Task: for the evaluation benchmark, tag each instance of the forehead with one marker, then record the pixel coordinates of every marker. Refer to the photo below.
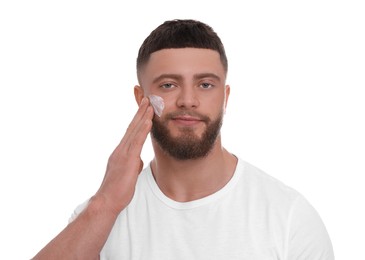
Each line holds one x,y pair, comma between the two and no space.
183,61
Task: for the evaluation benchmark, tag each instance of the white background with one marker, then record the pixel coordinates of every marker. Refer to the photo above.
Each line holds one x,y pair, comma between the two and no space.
67,71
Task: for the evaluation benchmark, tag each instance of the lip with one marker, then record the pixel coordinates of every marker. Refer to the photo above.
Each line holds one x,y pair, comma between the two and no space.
187,120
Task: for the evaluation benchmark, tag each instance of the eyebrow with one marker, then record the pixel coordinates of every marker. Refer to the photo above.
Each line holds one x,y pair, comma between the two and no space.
207,75
164,76
179,77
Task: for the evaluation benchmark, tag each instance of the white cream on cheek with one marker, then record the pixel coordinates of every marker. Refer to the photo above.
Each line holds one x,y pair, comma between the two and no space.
157,104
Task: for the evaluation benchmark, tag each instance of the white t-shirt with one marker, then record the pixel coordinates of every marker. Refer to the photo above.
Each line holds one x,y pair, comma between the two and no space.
254,216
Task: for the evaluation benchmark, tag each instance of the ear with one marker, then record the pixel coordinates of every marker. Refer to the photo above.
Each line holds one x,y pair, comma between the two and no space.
138,94
227,92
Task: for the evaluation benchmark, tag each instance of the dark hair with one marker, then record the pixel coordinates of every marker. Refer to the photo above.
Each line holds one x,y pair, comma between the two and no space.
180,34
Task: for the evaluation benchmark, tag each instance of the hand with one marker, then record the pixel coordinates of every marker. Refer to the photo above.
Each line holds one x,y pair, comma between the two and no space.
125,164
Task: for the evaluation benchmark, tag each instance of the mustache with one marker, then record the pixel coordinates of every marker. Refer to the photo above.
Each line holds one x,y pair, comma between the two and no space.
197,115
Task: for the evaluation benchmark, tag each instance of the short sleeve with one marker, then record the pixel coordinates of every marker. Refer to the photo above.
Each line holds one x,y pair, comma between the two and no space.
307,237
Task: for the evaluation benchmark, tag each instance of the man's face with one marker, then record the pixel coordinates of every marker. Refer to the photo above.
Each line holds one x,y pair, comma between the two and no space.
192,83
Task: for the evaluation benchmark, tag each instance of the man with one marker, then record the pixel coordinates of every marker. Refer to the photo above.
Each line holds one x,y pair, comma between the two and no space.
195,200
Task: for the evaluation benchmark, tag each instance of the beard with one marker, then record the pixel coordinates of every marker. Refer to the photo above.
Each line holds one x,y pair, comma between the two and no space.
187,145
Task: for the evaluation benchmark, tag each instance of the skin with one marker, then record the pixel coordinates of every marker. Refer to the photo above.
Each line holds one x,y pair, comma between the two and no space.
188,79
198,85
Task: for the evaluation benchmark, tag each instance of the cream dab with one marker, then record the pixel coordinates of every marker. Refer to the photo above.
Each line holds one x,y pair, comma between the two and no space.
157,104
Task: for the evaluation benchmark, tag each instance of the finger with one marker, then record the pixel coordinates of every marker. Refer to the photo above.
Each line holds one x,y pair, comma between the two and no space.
135,121
136,134
140,113
138,138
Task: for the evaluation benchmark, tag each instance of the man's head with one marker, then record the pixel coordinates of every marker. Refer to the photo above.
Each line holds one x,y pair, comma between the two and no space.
184,62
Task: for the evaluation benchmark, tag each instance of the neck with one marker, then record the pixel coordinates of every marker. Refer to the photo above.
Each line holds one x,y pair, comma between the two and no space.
187,180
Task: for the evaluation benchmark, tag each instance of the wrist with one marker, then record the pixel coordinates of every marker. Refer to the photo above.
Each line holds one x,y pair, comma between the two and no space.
99,203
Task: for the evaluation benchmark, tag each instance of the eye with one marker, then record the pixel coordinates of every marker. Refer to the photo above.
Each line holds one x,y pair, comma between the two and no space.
206,85
167,86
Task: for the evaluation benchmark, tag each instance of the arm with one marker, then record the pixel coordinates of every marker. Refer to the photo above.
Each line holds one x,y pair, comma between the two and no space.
84,237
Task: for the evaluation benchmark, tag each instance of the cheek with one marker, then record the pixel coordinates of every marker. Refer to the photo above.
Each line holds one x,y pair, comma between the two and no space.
169,102
214,103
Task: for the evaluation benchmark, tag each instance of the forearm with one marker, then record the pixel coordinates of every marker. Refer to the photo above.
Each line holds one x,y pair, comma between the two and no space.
84,237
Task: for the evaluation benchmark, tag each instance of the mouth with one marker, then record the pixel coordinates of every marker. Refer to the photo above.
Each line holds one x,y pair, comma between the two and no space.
187,120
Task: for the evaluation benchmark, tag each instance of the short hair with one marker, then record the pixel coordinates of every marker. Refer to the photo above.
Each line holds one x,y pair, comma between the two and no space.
177,33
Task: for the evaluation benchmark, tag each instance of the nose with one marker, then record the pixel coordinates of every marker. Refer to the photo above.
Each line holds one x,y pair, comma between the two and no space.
187,98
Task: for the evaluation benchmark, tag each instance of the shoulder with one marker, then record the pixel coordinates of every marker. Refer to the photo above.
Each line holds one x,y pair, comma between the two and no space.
264,186
267,195
304,232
